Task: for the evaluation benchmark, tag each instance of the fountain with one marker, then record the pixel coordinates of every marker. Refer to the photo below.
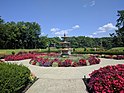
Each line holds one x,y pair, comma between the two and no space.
66,49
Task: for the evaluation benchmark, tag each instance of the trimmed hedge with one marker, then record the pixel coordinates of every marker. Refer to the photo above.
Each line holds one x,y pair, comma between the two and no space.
13,78
100,52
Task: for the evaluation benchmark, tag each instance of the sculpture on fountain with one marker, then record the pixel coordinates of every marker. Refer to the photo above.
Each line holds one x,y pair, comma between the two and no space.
66,49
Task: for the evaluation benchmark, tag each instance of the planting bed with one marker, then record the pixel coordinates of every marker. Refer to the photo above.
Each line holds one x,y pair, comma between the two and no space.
26,55
109,79
54,59
72,61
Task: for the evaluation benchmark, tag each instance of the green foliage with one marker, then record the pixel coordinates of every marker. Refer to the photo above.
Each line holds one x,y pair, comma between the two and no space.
37,64
100,52
55,64
85,56
13,77
117,49
19,35
118,36
120,20
43,42
9,51
13,53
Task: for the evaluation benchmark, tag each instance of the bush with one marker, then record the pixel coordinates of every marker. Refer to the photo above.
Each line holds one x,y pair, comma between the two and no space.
55,64
99,52
93,60
85,56
13,78
82,62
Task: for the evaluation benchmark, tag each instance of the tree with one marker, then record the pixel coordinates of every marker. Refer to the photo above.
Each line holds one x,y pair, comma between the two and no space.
1,20
19,35
120,20
118,36
2,33
43,42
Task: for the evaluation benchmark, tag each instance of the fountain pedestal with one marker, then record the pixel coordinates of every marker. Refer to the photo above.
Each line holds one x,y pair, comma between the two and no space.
65,50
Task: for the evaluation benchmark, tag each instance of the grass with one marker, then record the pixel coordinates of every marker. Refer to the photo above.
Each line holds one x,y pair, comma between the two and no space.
9,51
51,50
117,49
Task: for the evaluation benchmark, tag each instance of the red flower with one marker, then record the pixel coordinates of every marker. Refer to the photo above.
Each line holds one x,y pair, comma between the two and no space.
109,79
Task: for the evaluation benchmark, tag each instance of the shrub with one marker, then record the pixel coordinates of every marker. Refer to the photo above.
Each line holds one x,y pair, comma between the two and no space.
109,79
99,52
67,63
74,64
119,57
82,62
93,60
13,78
13,53
55,64
85,56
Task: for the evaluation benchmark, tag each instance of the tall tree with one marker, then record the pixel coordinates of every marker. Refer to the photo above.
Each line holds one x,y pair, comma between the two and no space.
118,36
19,35
120,20
1,20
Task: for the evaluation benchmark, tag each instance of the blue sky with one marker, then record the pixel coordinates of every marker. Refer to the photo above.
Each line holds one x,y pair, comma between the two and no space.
93,18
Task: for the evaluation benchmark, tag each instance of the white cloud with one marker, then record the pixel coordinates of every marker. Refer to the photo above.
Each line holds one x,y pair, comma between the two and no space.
94,33
88,3
105,28
76,27
54,29
60,32
42,33
91,36
92,3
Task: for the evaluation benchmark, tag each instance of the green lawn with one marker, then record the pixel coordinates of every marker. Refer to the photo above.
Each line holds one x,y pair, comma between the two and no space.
9,51
121,49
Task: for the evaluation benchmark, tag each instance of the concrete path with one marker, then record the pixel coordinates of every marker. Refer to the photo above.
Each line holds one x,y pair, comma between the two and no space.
58,86
63,79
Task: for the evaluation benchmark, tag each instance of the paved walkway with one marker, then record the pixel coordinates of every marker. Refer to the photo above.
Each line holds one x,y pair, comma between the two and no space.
63,79
58,86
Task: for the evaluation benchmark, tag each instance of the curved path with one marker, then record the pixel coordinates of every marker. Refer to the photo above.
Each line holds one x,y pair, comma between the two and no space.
63,79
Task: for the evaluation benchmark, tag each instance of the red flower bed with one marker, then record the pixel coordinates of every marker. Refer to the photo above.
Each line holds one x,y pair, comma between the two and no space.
47,62
26,55
82,62
108,56
21,56
119,57
65,63
93,60
109,79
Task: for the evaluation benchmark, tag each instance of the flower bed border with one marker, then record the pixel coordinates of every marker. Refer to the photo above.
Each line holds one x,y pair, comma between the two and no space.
86,81
24,89
110,82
